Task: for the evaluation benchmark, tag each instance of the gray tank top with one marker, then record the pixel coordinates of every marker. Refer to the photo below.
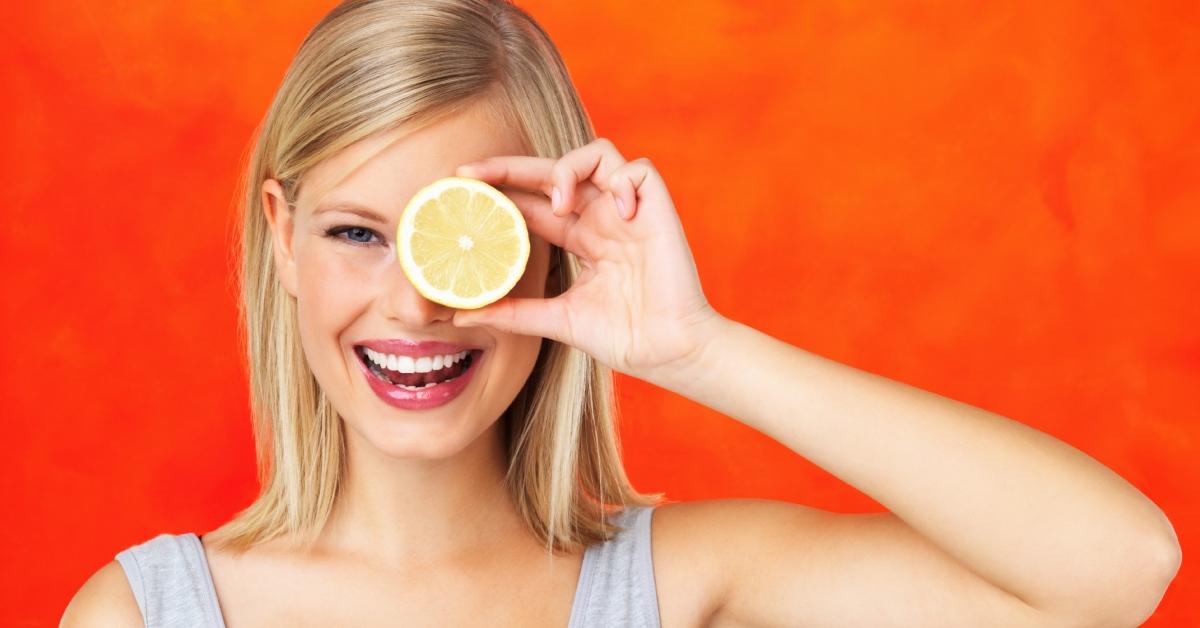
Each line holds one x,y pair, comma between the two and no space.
173,587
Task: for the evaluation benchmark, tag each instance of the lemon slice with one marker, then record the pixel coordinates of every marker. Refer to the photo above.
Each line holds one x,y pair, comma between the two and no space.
462,242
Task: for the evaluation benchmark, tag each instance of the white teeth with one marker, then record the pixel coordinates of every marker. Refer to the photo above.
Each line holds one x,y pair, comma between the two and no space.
407,364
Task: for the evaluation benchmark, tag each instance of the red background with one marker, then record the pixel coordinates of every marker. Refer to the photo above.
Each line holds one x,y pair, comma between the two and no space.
996,202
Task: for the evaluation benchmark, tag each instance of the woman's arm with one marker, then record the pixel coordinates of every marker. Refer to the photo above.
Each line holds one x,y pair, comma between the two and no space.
1029,513
104,601
1034,517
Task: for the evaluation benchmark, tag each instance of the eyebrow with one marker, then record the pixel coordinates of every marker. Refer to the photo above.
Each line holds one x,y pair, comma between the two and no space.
350,207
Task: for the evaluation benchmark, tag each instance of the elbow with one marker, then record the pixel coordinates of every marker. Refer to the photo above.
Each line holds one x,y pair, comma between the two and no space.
1166,556
1149,572
1125,594
1144,588
1153,585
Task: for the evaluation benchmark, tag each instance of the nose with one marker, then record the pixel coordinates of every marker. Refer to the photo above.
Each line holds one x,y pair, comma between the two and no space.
403,303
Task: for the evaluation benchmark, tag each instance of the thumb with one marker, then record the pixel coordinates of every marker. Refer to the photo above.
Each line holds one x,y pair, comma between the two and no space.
530,317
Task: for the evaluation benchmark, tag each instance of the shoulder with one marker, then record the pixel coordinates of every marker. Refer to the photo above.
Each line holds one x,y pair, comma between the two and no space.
105,599
715,550
698,548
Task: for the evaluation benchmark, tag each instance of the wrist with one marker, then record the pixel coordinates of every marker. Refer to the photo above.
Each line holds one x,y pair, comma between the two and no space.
689,371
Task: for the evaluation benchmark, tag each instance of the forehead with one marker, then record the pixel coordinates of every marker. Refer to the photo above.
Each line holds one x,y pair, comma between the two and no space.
383,171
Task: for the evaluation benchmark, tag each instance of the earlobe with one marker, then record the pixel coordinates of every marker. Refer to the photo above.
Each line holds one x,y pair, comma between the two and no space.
280,220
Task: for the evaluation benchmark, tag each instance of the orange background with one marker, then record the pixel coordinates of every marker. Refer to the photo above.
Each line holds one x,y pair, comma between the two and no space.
996,202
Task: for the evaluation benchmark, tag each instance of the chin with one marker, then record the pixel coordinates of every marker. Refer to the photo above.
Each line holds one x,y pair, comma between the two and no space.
419,436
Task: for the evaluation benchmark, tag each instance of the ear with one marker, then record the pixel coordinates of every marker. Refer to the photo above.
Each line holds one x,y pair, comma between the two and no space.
281,218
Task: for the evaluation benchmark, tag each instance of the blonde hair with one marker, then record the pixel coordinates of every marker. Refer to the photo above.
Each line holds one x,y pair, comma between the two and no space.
369,66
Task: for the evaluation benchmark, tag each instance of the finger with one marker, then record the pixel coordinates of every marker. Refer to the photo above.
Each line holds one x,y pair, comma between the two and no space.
634,182
557,179
542,221
521,171
594,162
527,316
584,195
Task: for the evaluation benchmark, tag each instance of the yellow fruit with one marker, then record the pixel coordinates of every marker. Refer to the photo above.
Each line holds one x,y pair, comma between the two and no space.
462,242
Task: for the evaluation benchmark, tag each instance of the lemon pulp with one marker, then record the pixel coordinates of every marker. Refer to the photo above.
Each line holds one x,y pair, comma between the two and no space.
462,242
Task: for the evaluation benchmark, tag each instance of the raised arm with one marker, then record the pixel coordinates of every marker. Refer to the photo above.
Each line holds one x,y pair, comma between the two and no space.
1027,512
991,522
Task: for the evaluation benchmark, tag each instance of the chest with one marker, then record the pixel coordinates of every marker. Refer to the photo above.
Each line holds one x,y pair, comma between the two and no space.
487,592
497,588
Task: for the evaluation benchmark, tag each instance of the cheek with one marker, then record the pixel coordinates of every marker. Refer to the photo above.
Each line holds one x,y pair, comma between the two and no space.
516,356
516,353
325,267
325,277
332,287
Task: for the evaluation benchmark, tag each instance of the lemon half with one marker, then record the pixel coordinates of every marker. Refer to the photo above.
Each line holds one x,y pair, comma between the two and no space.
462,242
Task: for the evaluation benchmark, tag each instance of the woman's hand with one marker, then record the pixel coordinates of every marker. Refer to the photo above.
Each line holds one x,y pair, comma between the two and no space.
638,306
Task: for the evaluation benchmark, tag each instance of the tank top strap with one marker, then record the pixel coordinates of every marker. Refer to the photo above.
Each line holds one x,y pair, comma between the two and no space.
171,582
616,582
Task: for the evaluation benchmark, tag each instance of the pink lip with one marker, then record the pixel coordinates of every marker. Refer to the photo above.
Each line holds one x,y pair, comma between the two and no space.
400,346
424,398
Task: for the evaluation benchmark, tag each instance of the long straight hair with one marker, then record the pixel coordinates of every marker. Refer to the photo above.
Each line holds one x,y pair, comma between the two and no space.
367,67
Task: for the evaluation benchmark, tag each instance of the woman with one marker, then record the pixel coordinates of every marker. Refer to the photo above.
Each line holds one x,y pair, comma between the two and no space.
506,504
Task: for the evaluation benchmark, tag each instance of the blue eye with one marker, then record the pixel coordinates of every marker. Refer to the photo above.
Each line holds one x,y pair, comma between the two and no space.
356,235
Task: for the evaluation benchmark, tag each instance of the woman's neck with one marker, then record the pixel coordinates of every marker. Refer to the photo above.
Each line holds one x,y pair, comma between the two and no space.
398,512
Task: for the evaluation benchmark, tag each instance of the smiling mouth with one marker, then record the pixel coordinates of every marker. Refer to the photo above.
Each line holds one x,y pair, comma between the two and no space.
406,373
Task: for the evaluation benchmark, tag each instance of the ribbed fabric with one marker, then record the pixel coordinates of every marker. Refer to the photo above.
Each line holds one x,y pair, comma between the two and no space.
616,582
171,582
174,589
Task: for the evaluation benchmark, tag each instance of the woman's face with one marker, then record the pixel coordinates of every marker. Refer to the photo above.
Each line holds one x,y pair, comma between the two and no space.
342,268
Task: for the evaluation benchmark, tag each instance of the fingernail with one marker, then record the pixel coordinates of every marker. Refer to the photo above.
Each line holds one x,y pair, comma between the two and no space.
467,170
620,207
555,198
